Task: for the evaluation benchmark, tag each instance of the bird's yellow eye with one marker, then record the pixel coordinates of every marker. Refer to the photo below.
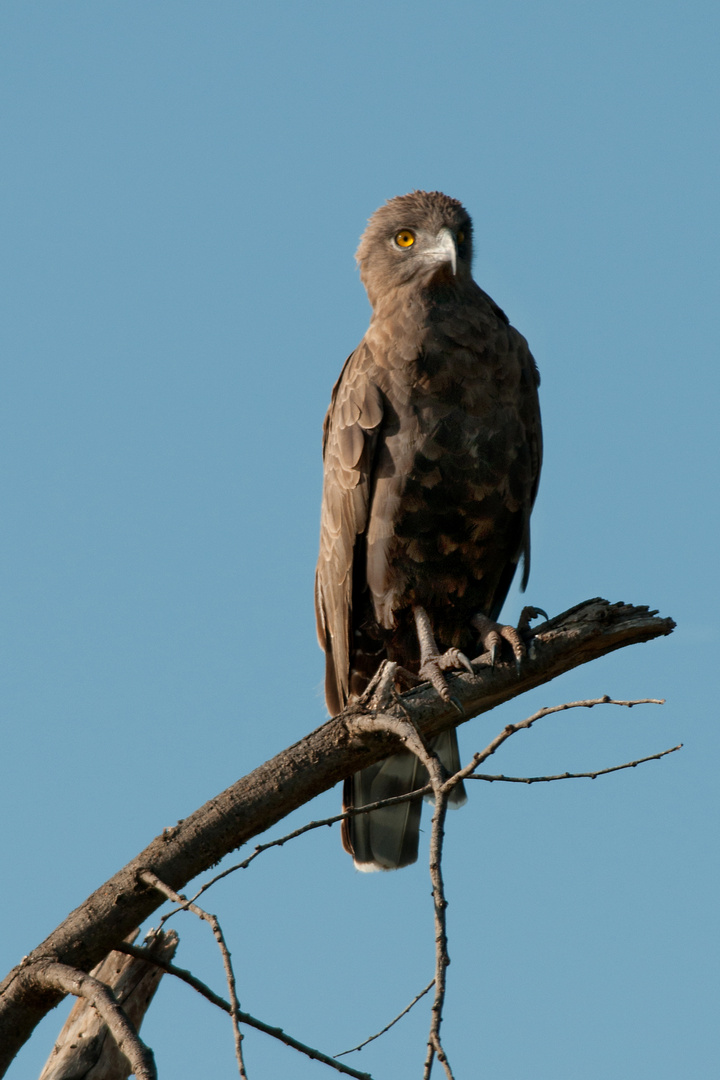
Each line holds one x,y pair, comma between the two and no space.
405,238
461,237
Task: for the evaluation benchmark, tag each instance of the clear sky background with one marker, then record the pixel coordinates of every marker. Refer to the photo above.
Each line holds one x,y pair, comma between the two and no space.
183,188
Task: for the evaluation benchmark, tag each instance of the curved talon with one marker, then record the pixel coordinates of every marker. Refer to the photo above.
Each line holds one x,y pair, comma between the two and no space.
527,615
457,704
467,664
453,659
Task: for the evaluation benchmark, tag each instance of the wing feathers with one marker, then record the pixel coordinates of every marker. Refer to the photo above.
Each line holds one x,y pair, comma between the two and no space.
350,437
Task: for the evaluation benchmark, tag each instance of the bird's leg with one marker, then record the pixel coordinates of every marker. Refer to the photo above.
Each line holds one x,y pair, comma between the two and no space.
432,662
492,634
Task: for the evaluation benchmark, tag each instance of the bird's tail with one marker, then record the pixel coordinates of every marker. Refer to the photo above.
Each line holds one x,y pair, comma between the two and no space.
388,839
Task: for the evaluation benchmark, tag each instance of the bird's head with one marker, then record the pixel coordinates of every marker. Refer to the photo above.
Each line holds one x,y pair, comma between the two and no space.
424,238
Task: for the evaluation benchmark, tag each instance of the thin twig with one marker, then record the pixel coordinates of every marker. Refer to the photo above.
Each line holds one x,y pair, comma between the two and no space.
523,725
244,1017
71,981
571,776
152,879
323,822
442,958
392,1023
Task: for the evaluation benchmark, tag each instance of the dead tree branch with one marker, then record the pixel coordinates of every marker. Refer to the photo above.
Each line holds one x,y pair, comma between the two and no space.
256,802
70,981
85,1049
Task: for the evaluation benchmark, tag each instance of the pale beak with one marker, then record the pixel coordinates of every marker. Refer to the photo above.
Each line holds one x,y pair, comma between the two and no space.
444,249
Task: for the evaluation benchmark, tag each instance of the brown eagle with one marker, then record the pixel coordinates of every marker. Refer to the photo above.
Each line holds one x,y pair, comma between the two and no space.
432,448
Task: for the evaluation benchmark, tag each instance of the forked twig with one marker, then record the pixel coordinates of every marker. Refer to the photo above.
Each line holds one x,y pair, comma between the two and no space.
442,787
524,725
152,879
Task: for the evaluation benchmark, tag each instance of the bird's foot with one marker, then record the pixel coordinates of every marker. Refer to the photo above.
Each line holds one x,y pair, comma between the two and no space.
433,663
492,634
433,668
382,689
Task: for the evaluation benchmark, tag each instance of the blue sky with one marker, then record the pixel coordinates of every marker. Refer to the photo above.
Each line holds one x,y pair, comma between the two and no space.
183,190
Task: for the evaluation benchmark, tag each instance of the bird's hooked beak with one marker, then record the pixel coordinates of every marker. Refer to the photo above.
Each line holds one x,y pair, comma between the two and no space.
444,250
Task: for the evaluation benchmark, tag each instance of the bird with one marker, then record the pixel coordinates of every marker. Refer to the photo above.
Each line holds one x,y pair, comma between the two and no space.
432,448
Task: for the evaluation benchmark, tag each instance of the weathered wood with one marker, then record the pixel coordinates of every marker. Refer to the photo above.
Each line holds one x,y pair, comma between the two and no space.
287,781
85,1049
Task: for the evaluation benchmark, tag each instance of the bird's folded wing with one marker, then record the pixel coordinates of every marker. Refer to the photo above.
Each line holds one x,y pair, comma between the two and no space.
350,436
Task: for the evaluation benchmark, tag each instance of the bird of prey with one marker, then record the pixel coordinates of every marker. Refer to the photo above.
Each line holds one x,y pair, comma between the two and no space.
432,448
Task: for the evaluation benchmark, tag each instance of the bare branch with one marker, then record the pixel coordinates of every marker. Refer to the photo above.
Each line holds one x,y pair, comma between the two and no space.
392,1023
442,958
525,725
289,780
152,879
70,981
572,776
244,1017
